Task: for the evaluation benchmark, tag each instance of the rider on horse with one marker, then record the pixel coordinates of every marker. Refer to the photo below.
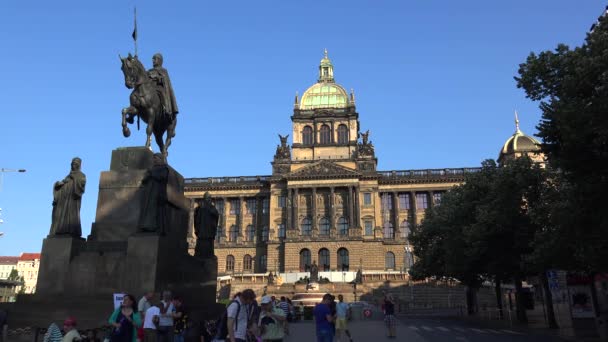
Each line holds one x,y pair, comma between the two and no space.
160,76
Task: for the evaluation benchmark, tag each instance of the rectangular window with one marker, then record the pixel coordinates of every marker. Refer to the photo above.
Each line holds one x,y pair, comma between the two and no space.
422,201
387,201
437,197
281,230
404,201
219,205
251,204
235,206
282,201
367,198
369,227
265,205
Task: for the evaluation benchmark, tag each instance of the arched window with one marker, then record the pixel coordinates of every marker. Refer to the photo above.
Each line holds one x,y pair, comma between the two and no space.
342,134
234,233
306,227
307,135
219,235
247,263
324,226
265,233
230,263
304,260
389,231
325,137
263,259
250,233
324,259
343,226
389,261
405,229
343,262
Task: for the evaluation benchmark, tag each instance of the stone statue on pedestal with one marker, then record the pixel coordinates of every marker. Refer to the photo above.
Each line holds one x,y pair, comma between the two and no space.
67,196
206,218
359,277
153,216
314,272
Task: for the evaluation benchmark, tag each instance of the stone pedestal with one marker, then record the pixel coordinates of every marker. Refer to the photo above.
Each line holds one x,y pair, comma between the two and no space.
78,277
62,249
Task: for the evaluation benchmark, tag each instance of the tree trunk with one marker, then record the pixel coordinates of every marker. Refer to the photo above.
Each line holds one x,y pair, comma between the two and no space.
548,301
471,300
498,297
519,301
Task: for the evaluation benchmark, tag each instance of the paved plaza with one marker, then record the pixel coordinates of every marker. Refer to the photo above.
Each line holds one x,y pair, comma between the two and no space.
422,330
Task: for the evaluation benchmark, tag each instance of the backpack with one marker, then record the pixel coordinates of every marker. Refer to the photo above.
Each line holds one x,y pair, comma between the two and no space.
222,323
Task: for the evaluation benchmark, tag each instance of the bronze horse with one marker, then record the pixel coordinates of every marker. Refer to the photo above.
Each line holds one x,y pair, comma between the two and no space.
145,102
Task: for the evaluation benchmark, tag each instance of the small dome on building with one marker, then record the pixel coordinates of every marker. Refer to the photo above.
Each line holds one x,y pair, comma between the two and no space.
326,93
519,143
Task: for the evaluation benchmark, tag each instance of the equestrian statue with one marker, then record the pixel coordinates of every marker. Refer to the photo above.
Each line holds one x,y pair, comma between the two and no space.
152,100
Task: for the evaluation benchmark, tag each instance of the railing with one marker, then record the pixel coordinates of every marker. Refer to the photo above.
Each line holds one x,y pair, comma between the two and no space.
228,180
429,172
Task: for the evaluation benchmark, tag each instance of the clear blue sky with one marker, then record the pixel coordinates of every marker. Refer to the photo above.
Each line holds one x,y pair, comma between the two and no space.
433,80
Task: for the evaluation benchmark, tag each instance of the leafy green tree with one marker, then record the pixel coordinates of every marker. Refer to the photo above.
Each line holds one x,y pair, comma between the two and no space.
572,88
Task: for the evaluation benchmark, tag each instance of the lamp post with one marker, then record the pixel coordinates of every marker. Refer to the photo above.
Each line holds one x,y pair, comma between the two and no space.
2,171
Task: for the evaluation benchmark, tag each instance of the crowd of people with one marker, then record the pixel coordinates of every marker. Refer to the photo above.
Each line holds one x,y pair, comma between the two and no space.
244,320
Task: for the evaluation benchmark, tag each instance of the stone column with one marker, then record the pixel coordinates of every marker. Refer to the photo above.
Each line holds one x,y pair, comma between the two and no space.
224,219
258,220
239,224
289,224
396,214
296,204
413,208
314,208
191,219
332,210
351,219
432,198
357,208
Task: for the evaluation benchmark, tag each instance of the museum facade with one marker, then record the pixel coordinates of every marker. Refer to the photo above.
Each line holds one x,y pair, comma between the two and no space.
325,202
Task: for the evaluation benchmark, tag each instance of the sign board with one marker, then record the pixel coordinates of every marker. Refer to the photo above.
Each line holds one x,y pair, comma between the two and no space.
118,300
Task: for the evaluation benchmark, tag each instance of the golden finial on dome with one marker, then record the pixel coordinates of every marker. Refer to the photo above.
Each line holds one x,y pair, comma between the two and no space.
516,122
325,53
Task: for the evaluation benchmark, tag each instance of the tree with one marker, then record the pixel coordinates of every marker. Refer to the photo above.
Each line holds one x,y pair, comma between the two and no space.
14,275
572,88
483,229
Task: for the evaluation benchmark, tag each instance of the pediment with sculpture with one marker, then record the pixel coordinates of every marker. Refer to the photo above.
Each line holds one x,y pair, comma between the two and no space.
324,169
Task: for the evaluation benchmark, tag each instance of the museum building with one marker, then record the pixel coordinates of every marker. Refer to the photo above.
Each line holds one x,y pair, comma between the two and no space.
325,201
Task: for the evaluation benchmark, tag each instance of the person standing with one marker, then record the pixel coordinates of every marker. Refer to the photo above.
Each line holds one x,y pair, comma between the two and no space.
165,323
69,327
125,321
270,322
142,306
389,316
3,326
284,305
342,315
180,320
151,322
238,313
323,319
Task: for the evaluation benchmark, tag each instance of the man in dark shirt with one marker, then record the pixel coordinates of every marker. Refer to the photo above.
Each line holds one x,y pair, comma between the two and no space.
323,319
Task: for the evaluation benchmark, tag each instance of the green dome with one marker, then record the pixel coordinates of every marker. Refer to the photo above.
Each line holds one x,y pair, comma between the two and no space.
324,95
